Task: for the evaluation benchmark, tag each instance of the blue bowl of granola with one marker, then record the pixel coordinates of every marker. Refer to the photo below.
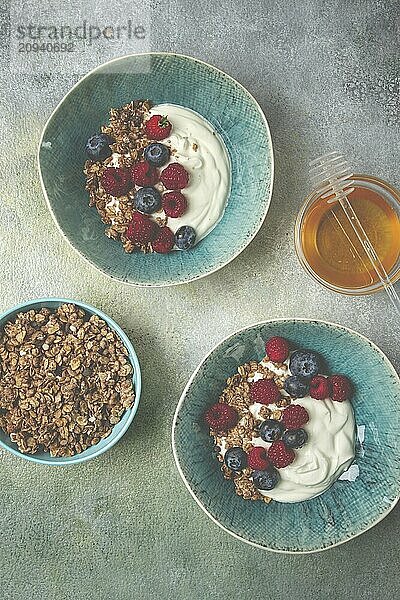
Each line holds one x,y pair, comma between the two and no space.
325,505
70,381
219,138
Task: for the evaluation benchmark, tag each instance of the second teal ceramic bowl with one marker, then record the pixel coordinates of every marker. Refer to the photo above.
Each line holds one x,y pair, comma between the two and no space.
163,78
120,428
345,510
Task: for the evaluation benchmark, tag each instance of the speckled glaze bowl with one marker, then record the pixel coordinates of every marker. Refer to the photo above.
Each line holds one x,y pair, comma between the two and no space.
345,510
163,78
119,429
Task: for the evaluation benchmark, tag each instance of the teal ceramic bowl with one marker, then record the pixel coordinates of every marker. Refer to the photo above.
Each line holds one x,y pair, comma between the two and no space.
345,510
127,418
163,78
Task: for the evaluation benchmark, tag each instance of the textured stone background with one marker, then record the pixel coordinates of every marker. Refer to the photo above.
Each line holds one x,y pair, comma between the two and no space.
123,526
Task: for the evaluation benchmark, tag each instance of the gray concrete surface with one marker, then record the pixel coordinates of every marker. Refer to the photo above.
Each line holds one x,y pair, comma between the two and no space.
326,75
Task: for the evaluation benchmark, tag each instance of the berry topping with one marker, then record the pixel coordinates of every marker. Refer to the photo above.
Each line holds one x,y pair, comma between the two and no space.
147,200
116,181
235,459
98,146
144,174
277,349
266,480
258,459
174,177
221,417
174,204
142,230
295,416
158,127
265,391
320,388
295,438
305,363
185,237
342,388
280,455
296,386
271,430
157,154
165,241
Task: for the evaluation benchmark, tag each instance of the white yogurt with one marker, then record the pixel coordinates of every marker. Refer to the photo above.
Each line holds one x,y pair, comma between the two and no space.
203,154
327,454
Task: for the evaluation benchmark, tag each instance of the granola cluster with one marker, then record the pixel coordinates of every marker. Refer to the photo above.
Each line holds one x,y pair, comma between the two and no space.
237,395
126,128
65,380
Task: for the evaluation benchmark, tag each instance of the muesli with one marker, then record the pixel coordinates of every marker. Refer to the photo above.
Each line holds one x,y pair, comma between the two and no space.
65,380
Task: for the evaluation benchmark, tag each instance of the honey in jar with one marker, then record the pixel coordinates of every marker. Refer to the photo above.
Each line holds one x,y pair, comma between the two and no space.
330,249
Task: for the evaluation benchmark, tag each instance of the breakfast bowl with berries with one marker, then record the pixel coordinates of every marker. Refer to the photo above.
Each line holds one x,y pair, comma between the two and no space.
145,176
286,435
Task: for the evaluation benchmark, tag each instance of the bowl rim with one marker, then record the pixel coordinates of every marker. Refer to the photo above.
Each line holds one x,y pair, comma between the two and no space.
183,396
77,458
248,240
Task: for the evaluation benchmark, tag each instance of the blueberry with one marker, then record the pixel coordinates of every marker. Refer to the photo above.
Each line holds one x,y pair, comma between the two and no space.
305,363
295,438
98,146
185,237
296,386
266,480
271,430
235,459
156,154
147,200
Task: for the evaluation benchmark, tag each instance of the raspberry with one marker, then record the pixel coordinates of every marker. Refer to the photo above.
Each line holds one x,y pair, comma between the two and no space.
280,455
265,391
141,229
144,174
174,177
221,417
116,181
295,416
277,349
174,204
165,241
158,127
258,459
320,388
342,388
